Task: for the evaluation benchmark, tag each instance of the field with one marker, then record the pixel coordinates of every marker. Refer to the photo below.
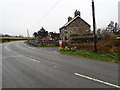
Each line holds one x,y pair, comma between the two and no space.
8,39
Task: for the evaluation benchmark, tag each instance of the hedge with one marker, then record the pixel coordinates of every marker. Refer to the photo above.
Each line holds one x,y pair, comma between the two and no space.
84,39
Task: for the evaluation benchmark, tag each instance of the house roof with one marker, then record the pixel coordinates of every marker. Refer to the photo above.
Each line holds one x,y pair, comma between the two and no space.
73,20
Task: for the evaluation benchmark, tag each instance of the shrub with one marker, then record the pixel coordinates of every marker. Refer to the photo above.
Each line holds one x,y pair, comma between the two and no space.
83,39
108,45
104,45
84,46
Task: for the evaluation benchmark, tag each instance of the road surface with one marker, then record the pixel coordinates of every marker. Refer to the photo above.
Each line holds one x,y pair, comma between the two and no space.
30,67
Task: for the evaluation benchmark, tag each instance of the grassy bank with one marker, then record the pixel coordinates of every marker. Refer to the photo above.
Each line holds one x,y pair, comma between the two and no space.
97,56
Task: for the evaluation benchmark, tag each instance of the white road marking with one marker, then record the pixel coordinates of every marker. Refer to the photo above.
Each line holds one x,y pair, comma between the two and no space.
8,49
56,52
32,59
55,66
31,47
100,81
12,56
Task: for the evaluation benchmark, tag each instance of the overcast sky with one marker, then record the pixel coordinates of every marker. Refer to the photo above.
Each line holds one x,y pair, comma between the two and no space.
18,15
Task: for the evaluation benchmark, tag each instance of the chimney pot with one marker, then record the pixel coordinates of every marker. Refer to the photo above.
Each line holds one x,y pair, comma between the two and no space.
69,18
76,13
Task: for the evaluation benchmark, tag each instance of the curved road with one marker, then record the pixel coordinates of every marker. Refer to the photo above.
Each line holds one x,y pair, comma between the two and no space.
30,67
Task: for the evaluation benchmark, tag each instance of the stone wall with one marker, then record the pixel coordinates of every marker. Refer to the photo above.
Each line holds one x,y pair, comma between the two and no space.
76,27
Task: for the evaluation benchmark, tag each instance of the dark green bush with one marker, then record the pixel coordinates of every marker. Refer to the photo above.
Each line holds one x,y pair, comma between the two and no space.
84,39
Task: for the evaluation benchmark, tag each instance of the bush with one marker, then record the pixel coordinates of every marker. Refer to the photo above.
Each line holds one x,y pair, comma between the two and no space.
84,39
104,45
108,45
84,46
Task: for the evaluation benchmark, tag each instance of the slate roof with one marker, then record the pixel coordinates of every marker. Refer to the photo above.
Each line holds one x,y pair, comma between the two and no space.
74,20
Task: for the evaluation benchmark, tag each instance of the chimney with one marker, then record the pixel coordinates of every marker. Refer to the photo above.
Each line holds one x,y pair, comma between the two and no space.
76,13
69,18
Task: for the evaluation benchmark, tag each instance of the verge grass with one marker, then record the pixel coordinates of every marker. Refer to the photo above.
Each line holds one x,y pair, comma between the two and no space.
92,55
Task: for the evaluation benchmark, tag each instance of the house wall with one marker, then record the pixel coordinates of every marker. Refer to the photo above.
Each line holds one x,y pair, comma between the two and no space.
62,34
76,27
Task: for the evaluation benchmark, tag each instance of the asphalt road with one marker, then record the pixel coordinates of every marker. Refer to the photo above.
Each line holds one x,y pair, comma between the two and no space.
30,67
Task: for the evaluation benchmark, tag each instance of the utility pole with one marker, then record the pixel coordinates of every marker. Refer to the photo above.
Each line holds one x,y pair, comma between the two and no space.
94,27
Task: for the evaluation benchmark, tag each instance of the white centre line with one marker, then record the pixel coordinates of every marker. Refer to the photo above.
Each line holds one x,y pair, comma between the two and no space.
100,81
32,59
12,56
56,52
55,66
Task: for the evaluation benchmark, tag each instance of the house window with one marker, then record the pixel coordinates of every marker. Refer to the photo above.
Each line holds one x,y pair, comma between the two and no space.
66,38
66,32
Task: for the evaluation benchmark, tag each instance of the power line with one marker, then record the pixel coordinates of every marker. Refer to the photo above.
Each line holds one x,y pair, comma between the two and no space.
46,14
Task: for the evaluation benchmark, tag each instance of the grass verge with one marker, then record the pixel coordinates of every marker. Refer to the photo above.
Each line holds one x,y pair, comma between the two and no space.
92,55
